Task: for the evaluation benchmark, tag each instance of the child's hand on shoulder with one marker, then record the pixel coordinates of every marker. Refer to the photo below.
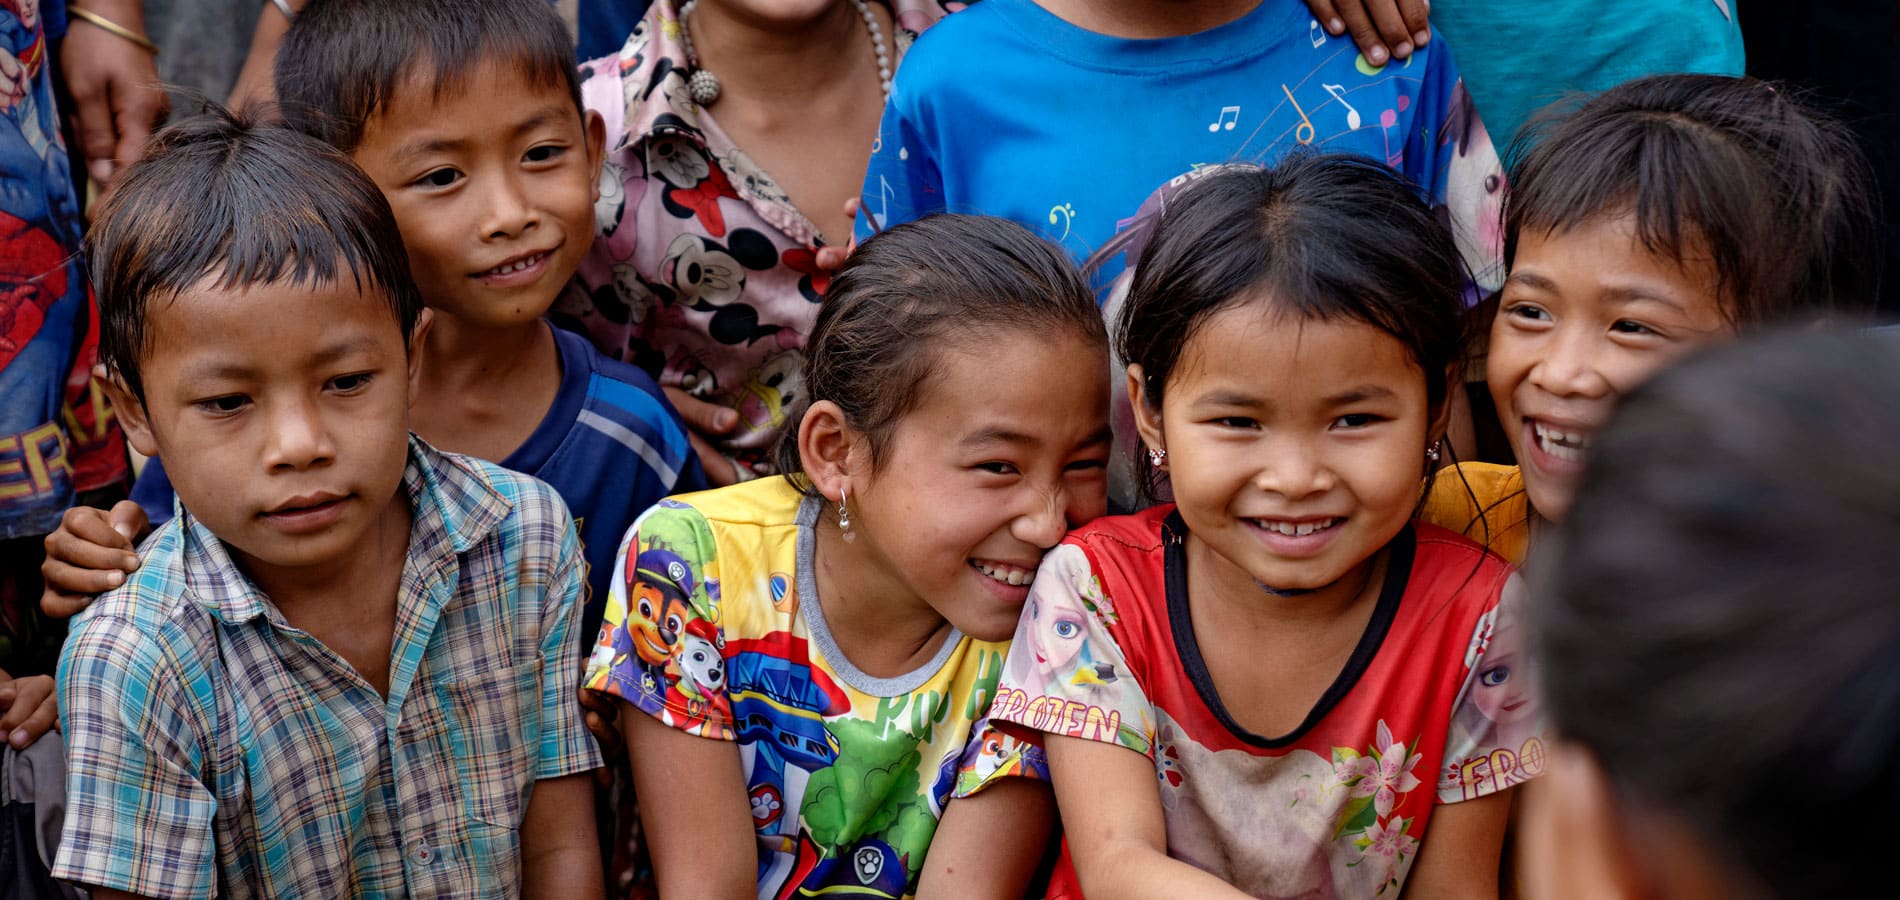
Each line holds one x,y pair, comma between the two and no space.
1383,29
29,707
91,553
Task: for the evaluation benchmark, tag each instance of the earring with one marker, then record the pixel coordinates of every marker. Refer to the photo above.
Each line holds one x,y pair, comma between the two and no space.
1431,454
844,514
1157,457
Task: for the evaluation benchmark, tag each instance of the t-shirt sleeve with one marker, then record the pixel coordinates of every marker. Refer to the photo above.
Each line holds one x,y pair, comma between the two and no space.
1497,736
138,816
566,745
1066,675
902,183
661,646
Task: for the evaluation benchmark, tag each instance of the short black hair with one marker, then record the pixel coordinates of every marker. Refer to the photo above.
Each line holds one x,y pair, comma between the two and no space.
222,200
1716,619
912,288
1778,194
343,60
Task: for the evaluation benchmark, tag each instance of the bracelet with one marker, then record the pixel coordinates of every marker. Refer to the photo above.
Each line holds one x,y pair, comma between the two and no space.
114,28
283,6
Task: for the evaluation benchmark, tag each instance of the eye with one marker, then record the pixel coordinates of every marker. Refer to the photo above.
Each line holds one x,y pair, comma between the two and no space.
1490,184
997,467
1066,629
545,153
1527,312
1494,676
350,383
439,178
1355,420
1084,465
646,610
1237,422
673,623
1625,326
223,406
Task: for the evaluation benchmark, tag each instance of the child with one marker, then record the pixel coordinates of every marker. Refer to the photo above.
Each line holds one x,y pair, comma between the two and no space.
467,114
1082,108
346,666
1724,579
1664,214
809,660
1281,650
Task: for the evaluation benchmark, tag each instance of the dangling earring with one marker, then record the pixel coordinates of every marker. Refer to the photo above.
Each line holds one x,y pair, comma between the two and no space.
1431,455
1157,457
844,514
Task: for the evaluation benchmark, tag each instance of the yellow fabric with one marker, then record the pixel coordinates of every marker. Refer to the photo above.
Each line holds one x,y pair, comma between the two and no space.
1484,502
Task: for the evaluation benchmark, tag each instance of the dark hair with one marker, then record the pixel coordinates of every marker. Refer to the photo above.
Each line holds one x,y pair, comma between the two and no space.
1321,236
911,289
343,60
1717,621
222,200
1777,194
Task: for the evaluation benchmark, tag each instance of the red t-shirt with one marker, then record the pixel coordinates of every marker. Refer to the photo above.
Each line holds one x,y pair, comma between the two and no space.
1106,652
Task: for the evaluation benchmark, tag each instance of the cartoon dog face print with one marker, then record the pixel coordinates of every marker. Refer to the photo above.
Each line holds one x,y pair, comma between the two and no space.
707,274
655,621
700,660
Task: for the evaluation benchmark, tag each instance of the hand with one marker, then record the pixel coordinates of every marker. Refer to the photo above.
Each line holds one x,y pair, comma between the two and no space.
706,422
255,87
29,707
1383,29
603,711
830,258
90,554
116,95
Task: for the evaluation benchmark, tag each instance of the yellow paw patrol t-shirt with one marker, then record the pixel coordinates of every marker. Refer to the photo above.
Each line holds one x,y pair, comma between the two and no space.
712,628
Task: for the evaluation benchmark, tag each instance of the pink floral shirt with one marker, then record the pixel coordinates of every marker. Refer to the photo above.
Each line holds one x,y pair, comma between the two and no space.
703,272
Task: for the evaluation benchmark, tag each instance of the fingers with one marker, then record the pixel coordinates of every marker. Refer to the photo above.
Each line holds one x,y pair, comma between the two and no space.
1390,23
137,109
1362,20
30,711
702,417
129,519
851,207
602,713
89,537
1415,13
830,258
70,589
718,466
93,107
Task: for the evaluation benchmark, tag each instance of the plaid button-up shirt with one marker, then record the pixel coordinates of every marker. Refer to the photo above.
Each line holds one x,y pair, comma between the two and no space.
213,748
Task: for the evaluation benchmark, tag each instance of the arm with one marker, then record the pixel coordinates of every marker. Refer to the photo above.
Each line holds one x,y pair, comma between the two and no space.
693,805
1111,810
988,844
254,80
1460,856
115,88
560,856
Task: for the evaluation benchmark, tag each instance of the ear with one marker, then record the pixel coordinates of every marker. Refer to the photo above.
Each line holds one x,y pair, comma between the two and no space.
1147,416
1440,424
831,452
596,129
418,338
133,419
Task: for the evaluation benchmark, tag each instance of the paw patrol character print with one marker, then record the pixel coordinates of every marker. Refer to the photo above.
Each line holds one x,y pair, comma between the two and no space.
696,694
658,589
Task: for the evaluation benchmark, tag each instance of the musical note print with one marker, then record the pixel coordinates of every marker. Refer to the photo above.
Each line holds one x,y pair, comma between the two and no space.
1315,34
1387,120
1229,117
1303,133
1067,212
1339,93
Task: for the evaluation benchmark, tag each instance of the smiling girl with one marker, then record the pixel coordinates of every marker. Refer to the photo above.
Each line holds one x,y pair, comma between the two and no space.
1260,693
862,607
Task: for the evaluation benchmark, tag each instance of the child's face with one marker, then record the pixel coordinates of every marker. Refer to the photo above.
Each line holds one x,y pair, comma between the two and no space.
1586,315
493,186
281,413
1295,447
1006,450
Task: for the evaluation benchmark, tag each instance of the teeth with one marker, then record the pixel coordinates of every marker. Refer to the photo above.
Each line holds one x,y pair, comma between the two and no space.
1568,446
1009,575
1291,529
516,266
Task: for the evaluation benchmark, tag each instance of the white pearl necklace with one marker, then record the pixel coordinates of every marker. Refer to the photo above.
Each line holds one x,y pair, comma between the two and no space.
703,85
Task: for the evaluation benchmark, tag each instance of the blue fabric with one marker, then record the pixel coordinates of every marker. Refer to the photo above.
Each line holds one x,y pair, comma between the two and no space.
1522,54
605,24
611,446
1067,131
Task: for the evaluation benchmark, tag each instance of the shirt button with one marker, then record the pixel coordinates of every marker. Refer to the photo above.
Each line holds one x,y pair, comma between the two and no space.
421,854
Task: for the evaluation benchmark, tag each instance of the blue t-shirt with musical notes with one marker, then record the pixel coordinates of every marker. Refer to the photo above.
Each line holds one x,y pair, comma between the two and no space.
1005,109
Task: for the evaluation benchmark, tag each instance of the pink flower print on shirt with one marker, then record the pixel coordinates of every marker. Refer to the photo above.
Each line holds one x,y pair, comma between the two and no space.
1387,846
1387,772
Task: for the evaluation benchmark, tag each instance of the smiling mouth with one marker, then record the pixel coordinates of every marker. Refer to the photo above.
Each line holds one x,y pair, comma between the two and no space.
1296,529
1014,576
520,265
1568,446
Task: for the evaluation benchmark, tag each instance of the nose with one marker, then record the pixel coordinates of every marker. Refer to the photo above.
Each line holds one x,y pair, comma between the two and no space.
1292,466
509,211
1045,517
298,438
1569,366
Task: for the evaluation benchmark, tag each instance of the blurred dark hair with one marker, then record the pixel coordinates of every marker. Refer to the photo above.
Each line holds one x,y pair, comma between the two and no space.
912,289
222,201
342,60
1318,236
1777,194
1717,619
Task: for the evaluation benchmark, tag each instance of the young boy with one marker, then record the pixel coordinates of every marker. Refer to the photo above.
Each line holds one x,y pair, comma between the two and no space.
347,665
466,113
